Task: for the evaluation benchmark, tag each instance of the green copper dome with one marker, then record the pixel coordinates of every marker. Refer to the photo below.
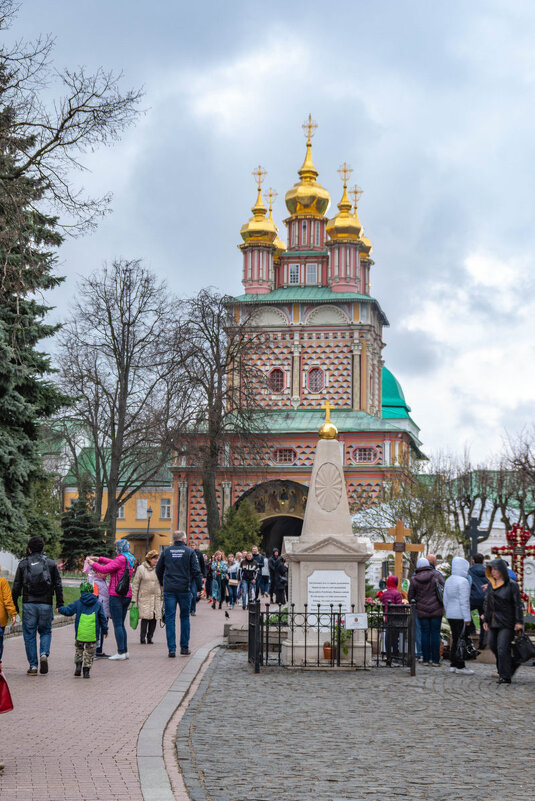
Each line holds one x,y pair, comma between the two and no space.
394,403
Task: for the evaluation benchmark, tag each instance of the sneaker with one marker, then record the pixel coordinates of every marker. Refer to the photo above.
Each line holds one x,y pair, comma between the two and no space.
43,664
126,655
435,664
465,671
193,614
185,652
426,663
117,657
171,654
102,656
32,671
453,670
504,681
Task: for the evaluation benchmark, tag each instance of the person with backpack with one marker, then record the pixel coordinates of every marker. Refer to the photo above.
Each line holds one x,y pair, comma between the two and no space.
37,579
479,581
120,591
89,622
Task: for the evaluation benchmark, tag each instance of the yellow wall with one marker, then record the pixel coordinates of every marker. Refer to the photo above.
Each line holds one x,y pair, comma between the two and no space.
160,528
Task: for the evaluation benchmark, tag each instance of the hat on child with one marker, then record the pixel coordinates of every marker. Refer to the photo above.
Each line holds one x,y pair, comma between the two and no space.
86,586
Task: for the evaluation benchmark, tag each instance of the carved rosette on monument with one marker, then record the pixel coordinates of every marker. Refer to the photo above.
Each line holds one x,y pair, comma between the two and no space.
327,563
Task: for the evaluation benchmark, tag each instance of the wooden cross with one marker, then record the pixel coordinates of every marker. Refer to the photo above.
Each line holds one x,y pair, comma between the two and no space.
399,546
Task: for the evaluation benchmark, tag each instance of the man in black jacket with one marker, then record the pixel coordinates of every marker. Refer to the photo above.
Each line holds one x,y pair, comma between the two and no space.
477,593
179,573
38,580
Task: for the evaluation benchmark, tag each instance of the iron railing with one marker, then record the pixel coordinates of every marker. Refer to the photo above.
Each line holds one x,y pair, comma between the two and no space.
319,638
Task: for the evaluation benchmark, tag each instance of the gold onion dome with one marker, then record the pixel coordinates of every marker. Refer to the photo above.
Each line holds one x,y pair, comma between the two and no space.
328,430
345,224
259,229
307,196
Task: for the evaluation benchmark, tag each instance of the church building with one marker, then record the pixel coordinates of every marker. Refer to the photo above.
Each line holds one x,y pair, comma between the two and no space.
321,342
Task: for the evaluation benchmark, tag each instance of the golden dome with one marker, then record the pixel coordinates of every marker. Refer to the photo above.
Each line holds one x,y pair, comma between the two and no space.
366,247
307,196
344,225
259,229
328,431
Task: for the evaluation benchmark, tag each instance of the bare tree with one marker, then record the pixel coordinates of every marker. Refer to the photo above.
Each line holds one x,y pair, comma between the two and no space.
226,422
117,362
52,135
520,460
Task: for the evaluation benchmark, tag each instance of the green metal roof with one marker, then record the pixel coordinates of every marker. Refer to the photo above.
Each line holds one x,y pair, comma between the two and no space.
394,403
309,294
289,254
87,462
309,420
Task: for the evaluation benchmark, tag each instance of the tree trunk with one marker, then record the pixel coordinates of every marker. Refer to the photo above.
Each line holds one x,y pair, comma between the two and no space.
213,521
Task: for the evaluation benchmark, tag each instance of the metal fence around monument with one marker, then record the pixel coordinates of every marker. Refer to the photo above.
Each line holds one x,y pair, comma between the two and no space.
389,640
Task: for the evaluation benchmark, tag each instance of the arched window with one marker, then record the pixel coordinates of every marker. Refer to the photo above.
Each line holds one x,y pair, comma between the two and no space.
284,456
276,380
364,455
316,379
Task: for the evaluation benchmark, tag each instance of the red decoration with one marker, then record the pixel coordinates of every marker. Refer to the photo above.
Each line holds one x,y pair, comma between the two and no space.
517,537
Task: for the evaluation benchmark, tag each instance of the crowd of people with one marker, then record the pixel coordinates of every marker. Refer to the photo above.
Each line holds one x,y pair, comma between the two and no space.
179,576
492,590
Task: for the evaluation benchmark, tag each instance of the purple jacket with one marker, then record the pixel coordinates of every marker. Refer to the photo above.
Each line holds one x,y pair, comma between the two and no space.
422,590
115,567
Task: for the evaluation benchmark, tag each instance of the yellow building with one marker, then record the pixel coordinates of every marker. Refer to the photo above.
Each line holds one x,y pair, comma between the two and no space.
148,513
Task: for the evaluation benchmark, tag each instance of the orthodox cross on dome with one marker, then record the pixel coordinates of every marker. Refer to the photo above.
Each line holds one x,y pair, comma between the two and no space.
517,549
309,127
356,192
259,174
399,546
345,171
271,194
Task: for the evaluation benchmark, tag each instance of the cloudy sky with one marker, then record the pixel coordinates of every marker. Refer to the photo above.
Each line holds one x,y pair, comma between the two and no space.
432,104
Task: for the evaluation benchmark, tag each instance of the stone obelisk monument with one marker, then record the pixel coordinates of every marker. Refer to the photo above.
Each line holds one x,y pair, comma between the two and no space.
327,563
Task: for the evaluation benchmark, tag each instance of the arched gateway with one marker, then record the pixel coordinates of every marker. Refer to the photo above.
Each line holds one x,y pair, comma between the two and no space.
280,504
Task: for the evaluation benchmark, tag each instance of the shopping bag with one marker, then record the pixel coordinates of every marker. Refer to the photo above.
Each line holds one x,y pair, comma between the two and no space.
6,703
134,616
523,649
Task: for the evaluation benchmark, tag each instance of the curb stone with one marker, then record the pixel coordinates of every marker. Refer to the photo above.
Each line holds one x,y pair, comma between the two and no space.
153,777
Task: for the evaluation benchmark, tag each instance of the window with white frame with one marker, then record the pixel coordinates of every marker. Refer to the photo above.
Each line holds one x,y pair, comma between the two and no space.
165,509
141,509
312,274
293,274
316,379
284,456
120,512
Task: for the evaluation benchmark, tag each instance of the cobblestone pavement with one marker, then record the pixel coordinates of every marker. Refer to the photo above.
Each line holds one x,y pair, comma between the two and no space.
365,736
69,738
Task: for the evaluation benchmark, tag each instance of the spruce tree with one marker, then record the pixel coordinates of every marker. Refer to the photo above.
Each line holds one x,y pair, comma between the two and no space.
240,530
28,240
83,533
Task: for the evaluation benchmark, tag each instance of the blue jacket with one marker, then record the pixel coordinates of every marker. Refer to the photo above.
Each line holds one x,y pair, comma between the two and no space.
87,604
477,593
178,569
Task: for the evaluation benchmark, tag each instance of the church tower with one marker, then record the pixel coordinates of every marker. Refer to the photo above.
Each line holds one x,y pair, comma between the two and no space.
319,338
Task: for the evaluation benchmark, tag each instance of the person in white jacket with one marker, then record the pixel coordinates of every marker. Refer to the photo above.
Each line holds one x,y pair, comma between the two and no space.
457,608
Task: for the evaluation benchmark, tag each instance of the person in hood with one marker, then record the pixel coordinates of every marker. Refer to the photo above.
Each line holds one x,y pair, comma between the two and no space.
277,575
503,615
429,609
89,621
457,610
391,596
479,581
118,603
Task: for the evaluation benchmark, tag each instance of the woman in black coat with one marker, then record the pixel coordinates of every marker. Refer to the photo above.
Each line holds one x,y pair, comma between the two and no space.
503,615
277,575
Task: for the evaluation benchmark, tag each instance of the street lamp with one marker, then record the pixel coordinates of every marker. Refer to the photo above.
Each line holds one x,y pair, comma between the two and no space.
149,515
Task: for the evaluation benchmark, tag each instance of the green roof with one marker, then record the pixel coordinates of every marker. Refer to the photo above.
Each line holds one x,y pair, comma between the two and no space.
394,403
309,294
289,254
87,462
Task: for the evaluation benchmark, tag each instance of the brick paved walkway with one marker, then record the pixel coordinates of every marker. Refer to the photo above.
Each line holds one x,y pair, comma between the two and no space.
73,739
367,736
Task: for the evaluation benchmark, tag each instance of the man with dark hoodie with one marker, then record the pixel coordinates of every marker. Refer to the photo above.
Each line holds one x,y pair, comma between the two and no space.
479,581
503,615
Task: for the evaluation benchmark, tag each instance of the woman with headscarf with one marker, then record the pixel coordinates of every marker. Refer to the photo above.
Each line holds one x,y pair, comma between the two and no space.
503,615
429,609
118,603
147,596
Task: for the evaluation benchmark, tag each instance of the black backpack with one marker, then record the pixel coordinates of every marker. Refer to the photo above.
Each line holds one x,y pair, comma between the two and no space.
37,577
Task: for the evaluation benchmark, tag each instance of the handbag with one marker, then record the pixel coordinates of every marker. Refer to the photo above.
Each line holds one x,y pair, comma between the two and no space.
523,648
233,582
134,617
466,649
6,702
123,585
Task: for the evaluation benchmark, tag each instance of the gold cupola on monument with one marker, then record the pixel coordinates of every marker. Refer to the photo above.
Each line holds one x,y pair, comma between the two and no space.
278,244
307,196
259,229
345,224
